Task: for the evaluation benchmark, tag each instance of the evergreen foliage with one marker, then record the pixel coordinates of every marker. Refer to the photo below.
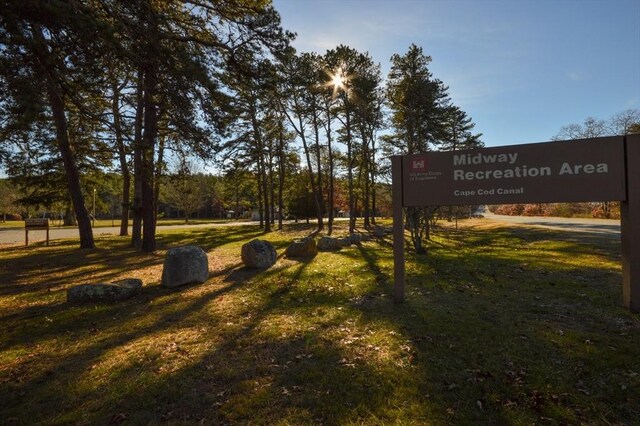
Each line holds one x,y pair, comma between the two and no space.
92,89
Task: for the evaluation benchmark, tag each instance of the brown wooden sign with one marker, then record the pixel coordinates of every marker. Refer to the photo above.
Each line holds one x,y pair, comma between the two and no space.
598,169
567,171
35,224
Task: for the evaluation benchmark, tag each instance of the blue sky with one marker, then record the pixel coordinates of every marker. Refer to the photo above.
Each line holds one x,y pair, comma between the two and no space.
521,69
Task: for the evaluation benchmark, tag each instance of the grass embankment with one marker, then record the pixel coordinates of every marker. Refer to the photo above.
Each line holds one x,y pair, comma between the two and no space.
500,326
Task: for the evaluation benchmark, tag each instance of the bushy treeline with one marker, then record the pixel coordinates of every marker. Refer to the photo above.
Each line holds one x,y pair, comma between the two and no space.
622,123
93,88
601,210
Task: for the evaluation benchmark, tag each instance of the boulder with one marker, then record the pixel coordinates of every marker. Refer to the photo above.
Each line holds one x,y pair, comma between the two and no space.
258,254
344,242
328,244
355,238
305,247
185,265
105,292
379,232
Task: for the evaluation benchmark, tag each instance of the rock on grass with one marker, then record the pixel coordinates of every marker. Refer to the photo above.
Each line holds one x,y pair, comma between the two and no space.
185,265
258,254
105,292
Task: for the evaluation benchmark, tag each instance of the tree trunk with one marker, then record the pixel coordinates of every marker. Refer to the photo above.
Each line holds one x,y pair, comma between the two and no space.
415,227
331,179
281,167
366,203
71,169
236,194
147,163
372,170
260,198
262,174
56,102
320,201
272,196
301,132
363,173
352,213
316,196
69,216
126,194
122,157
265,195
158,175
136,227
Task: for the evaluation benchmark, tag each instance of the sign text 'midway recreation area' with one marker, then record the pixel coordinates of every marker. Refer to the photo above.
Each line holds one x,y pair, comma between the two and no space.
598,169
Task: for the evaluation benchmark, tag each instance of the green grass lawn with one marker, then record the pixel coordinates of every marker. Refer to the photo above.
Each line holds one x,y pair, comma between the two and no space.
500,326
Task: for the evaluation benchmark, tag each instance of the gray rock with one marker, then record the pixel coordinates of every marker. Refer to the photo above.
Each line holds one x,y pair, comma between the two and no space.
328,244
355,238
258,254
344,242
305,247
366,237
105,292
379,232
185,265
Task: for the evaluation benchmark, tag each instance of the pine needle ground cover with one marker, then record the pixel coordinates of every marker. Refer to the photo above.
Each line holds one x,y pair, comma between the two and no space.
501,325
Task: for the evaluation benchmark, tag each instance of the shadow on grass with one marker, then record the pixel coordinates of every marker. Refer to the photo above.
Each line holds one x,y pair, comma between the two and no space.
63,263
472,344
578,243
208,238
495,352
246,370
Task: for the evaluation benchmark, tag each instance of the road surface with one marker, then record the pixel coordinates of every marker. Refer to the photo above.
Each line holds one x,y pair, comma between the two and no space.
16,235
595,227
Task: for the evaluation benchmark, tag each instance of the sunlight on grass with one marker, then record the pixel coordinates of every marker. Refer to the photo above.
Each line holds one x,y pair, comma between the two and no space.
500,326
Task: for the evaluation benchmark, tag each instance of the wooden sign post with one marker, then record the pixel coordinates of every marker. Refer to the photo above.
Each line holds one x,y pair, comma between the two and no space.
35,224
398,229
630,226
597,169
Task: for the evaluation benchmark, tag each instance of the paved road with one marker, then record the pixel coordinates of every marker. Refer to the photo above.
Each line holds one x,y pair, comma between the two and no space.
16,235
596,227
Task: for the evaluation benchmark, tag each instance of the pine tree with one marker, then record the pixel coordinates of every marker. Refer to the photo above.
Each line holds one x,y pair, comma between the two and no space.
458,131
48,62
417,102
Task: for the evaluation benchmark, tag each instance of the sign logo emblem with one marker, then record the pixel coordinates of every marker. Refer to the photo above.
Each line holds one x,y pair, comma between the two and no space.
419,165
